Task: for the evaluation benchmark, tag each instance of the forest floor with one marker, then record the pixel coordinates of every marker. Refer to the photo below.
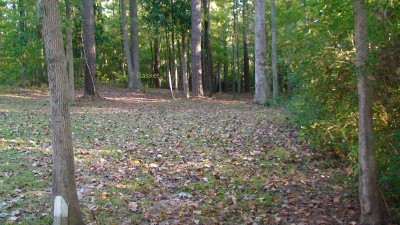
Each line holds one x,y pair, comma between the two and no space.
142,158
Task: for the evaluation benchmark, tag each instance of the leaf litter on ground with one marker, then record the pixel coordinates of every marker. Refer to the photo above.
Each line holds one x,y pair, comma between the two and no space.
142,158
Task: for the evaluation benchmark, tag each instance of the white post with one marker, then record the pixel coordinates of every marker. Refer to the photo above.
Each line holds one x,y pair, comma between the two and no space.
60,211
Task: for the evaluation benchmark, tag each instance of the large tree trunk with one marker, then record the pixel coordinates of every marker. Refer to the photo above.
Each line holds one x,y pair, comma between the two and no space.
261,84
197,85
63,174
69,52
368,187
131,76
208,62
89,47
246,59
136,82
185,80
275,85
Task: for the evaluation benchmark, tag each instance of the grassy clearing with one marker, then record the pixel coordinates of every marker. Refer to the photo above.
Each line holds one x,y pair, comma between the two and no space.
182,162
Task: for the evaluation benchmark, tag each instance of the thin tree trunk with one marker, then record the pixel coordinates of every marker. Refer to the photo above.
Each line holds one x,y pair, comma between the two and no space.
185,79
22,40
131,76
63,173
156,64
197,85
137,83
368,186
174,61
261,85
89,47
246,59
69,53
168,59
219,78
275,86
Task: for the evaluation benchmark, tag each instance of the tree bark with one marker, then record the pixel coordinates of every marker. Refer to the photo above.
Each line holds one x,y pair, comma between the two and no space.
69,52
131,76
168,60
156,63
275,86
246,58
185,79
208,62
63,174
89,47
136,82
368,187
22,40
197,84
176,79
261,85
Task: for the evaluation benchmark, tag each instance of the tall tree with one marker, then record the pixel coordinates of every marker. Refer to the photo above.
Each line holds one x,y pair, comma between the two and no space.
128,55
368,186
208,61
185,78
274,63
246,58
69,52
135,83
261,85
156,60
89,47
197,85
63,175
22,39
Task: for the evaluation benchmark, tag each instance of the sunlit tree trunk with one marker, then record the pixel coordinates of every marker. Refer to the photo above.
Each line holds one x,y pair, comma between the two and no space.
185,79
261,85
368,186
176,79
197,85
69,52
168,60
89,47
275,86
63,173
131,76
136,83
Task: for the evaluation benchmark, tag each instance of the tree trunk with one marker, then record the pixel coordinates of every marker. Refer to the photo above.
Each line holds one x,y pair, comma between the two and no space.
185,79
261,85
176,79
275,86
89,47
246,59
208,62
22,40
69,53
137,83
368,187
168,60
197,85
63,173
156,64
131,76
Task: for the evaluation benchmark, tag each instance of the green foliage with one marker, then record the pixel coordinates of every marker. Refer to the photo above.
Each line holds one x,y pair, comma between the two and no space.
317,46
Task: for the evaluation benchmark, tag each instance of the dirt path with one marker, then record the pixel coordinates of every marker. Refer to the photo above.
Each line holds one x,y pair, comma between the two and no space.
145,159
